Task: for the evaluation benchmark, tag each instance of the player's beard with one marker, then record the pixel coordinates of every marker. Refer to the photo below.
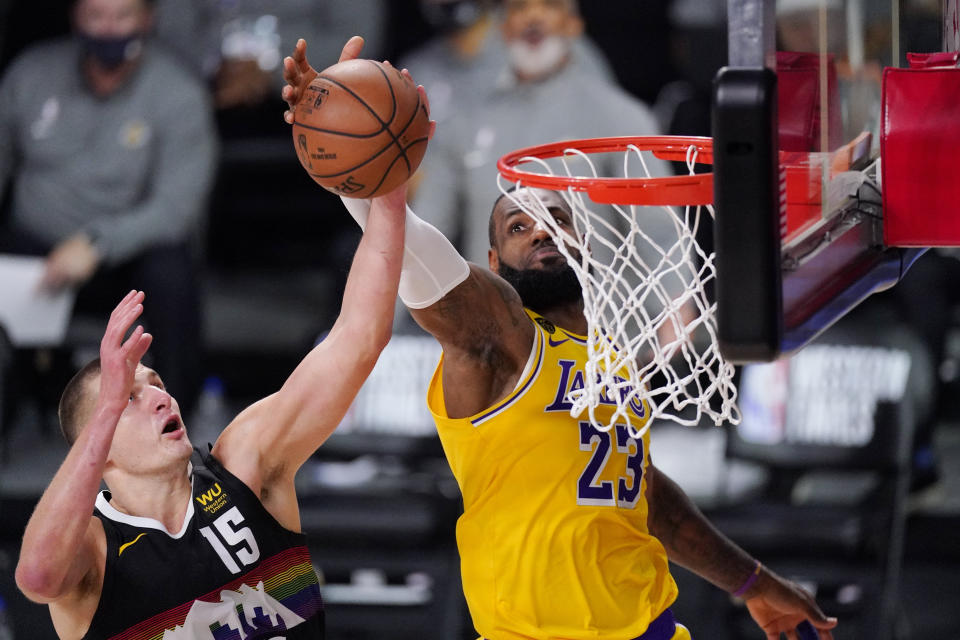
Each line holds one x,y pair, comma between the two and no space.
535,61
543,289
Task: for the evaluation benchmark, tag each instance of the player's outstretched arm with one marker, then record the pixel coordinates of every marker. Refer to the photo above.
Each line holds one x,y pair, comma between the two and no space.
476,316
486,338
776,604
267,443
63,541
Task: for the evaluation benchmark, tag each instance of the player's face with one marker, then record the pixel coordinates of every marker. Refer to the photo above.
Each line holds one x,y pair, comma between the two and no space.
521,243
111,18
150,434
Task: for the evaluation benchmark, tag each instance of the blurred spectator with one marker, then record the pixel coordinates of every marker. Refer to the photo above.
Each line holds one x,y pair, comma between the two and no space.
181,26
465,56
546,95
238,44
109,148
468,55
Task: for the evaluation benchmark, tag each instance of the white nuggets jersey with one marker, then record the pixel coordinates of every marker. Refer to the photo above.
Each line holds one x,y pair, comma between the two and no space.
553,539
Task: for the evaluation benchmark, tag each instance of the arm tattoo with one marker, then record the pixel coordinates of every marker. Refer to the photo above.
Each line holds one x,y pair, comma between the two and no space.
689,538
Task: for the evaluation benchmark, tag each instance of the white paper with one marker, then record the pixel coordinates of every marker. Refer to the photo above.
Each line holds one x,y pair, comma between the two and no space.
31,317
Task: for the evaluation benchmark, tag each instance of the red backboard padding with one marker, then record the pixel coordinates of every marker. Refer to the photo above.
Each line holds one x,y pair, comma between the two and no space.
919,141
799,121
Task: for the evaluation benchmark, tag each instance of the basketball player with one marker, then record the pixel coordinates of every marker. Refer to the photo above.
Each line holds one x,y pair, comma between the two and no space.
566,530
191,544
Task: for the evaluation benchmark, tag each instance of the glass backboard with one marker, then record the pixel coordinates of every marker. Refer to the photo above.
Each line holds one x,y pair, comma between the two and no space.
796,118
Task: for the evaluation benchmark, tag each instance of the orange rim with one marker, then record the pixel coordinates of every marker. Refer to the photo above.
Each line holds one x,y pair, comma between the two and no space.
696,189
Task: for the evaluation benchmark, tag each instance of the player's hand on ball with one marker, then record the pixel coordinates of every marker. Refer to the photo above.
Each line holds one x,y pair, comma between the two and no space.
424,99
298,74
360,127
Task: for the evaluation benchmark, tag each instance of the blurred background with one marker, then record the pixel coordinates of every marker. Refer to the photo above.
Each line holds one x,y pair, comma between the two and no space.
845,473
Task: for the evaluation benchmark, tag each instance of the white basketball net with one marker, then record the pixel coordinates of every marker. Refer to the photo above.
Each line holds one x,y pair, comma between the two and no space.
648,315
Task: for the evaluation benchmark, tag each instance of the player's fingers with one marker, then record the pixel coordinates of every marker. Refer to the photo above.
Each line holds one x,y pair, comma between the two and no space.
128,318
351,49
139,348
816,617
300,51
117,310
425,101
125,313
131,314
290,95
291,74
424,98
131,341
117,327
288,116
135,303
819,620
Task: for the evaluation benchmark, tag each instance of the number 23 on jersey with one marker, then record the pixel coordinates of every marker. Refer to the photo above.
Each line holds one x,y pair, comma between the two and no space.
593,491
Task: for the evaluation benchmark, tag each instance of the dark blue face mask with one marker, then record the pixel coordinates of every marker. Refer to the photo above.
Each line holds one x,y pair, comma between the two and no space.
109,52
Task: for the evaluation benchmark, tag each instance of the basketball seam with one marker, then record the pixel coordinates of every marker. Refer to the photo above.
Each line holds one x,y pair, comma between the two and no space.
398,156
388,145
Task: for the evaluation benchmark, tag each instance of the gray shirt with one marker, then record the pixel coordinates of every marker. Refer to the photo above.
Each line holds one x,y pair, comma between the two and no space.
133,169
455,83
459,182
204,31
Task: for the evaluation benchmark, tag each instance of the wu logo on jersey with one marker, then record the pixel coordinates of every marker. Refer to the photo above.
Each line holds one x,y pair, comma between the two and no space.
213,499
209,494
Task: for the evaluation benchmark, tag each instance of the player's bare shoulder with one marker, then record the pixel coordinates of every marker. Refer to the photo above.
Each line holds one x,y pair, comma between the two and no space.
482,314
239,449
511,303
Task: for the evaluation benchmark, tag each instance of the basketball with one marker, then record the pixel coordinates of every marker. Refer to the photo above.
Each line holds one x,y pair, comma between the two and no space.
360,129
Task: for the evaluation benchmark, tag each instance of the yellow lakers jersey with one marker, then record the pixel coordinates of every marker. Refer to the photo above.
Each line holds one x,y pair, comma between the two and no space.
553,539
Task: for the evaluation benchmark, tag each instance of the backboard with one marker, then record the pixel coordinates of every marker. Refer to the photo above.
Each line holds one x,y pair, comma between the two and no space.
796,118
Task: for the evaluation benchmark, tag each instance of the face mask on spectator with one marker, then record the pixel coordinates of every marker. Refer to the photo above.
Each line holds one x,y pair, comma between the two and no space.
111,52
535,60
